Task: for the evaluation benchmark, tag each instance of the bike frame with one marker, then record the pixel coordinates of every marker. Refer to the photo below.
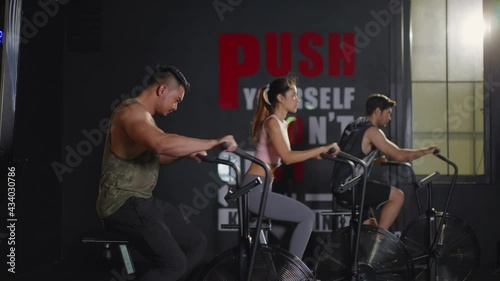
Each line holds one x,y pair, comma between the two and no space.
433,237
248,249
355,226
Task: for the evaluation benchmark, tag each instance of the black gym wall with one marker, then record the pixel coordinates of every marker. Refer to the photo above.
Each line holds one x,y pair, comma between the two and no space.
92,54
136,36
36,144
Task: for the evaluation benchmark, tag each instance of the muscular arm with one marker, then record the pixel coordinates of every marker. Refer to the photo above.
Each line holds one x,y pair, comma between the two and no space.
287,155
165,159
139,126
376,137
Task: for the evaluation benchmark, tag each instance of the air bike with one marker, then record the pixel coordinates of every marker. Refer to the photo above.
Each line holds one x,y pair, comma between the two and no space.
360,252
442,246
252,259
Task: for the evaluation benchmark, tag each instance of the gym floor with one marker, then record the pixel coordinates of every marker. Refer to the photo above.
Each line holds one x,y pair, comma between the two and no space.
107,272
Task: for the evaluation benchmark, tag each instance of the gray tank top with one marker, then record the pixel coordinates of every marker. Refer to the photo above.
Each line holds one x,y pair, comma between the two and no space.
124,178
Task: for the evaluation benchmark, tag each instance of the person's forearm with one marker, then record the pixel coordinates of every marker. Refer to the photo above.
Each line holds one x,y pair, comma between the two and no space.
166,159
411,154
180,146
303,155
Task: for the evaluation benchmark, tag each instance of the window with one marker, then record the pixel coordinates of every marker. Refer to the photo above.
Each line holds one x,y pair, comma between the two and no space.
446,40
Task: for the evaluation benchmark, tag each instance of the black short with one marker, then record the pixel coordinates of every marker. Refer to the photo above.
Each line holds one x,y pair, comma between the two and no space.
376,193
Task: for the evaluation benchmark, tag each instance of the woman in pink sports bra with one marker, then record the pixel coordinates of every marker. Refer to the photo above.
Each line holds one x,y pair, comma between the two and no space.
269,132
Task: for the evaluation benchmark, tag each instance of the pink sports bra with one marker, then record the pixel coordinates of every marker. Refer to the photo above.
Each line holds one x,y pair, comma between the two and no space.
264,149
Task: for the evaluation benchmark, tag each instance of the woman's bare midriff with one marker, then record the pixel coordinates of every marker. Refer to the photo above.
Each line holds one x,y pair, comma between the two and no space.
259,171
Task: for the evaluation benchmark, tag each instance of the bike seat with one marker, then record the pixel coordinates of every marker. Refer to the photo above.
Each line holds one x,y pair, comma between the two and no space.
368,211
252,222
109,238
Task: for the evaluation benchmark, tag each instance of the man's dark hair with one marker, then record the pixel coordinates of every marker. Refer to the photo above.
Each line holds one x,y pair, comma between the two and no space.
375,101
163,74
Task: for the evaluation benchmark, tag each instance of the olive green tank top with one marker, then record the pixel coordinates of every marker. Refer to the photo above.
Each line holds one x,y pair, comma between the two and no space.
124,178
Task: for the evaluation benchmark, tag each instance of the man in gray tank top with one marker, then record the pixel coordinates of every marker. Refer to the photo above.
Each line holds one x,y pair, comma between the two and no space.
135,148
362,138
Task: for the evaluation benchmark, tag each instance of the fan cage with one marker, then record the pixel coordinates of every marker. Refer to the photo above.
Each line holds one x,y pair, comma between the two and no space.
271,264
457,253
381,256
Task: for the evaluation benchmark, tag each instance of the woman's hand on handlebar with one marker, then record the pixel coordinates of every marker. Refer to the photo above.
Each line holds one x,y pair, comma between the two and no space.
332,149
229,142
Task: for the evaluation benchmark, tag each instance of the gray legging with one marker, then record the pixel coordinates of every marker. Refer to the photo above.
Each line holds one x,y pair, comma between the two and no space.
283,208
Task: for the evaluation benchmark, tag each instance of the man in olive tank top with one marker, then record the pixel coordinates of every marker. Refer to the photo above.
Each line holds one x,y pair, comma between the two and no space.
363,138
135,148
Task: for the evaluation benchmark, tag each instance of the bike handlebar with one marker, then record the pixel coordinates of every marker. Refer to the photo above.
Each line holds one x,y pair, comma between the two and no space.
438,155
217,160
233,195
427,179
344,155
208,159
416,183
330,157
347,185
205,158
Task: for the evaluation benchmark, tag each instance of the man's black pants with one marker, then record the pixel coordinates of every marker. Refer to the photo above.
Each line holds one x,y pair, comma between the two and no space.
159,232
